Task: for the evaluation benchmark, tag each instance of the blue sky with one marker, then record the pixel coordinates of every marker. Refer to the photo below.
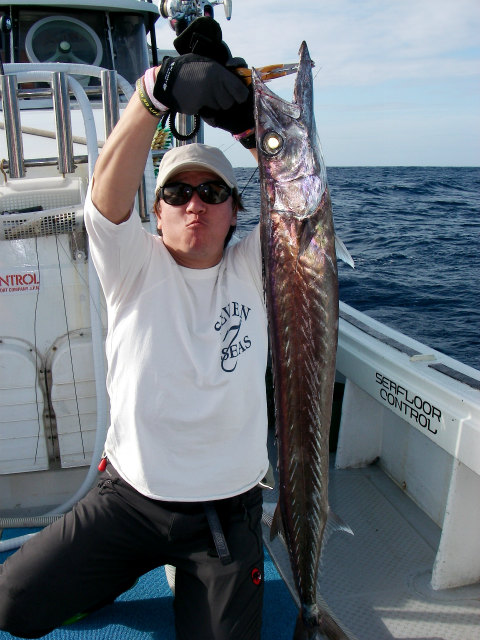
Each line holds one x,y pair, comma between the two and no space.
397,82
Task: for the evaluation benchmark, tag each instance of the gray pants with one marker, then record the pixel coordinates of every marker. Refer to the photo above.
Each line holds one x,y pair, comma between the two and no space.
114,535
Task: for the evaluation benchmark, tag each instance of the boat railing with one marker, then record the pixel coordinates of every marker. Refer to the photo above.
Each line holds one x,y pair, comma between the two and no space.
64,91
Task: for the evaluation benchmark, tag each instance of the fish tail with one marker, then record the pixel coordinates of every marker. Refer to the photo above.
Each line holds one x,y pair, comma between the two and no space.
313,624
304,632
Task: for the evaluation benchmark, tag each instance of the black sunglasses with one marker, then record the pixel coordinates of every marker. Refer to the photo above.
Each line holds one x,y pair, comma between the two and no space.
178,193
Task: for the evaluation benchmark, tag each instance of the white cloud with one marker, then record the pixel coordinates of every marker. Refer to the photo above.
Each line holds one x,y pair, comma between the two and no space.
397,64
355,42
359,42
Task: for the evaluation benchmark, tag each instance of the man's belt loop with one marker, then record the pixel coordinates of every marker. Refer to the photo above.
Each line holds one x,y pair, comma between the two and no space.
217,533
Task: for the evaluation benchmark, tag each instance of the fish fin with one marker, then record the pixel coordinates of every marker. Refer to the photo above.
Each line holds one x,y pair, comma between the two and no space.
271,517
343,253
305,234
268,513
277,527
335,523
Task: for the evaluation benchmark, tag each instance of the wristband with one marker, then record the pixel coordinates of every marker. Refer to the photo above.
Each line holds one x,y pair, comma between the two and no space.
244,134
145,101
149,84
246,138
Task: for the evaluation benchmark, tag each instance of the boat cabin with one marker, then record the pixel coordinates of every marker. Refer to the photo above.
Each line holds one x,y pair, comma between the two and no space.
109,34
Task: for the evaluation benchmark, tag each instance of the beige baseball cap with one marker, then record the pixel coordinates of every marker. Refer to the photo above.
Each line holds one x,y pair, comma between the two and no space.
195,156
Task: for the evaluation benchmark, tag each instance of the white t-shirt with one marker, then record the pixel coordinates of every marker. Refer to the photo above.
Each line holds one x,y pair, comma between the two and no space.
186,351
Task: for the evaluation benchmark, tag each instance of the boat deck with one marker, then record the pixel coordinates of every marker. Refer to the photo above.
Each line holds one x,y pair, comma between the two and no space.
376,583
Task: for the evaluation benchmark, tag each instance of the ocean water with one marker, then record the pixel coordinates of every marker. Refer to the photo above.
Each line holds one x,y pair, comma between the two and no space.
414,233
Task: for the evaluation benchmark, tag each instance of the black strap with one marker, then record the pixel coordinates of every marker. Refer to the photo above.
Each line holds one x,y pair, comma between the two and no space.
179,136
217,533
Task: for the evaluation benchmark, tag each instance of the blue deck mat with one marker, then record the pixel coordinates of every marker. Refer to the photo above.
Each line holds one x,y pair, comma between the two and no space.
145,612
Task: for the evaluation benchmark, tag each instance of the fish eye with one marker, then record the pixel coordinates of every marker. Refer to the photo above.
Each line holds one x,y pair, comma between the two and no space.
272,143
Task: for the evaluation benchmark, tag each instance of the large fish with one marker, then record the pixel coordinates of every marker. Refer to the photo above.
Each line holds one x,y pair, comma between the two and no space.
301,288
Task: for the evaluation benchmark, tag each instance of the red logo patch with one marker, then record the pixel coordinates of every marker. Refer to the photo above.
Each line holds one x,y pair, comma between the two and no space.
256,576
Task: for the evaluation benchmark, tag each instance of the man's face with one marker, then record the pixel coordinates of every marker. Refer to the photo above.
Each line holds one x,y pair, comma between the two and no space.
195,232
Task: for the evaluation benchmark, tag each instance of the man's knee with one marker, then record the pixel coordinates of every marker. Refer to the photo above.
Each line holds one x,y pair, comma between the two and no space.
13,616
17,616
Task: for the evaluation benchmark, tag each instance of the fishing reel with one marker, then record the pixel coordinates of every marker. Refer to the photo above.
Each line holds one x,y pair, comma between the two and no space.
181,13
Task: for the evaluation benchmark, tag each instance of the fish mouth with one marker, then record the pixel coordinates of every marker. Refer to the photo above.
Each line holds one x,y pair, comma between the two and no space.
290,109
303,91
303,88
282,125
290,158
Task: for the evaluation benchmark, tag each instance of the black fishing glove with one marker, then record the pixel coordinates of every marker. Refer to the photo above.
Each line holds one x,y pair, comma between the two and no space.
239,118
190,83
204,37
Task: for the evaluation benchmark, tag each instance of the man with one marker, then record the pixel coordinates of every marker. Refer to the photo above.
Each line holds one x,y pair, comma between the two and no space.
186,349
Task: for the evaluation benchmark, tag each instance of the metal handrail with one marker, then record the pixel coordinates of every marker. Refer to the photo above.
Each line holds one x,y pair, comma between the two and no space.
43,162
46,92
63,123
60,93
11,114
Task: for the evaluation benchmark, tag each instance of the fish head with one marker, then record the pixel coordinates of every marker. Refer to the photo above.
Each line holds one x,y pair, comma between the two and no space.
290,161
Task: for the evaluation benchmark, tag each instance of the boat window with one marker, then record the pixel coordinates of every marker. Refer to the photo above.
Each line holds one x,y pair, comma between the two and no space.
129,45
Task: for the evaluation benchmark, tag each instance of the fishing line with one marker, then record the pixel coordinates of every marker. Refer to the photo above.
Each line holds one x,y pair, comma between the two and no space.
315,76
249,180
69,346
84,280
36,353
225,148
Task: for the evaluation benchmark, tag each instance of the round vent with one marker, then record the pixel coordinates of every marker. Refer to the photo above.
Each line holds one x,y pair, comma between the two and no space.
63,39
